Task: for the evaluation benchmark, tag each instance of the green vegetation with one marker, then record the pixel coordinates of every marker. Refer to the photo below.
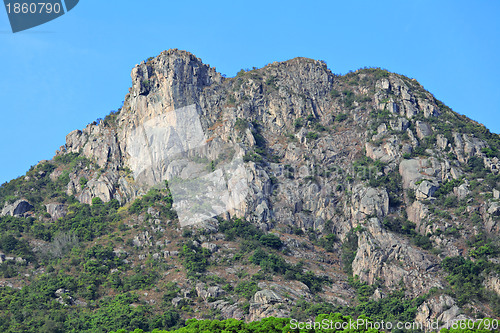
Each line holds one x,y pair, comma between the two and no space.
349,249
466,279
312,135
334,93
33,309
241,124
271,82
195,259
447,187
328,242
348,97
162,198
402,226
272,263
332,322
246,289
341,117
146,84
298,123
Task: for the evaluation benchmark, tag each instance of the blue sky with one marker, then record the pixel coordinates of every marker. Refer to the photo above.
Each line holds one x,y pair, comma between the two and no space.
65,74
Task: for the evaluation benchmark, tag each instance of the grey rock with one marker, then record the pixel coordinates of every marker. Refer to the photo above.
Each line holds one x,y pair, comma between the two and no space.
264,304
384,255
209,246
369,201
423,129
266,297
462,191
441,141
399,124
433,308
494,209
492,282
227,310
18,208
377,294
176,301
426,189
56,210
210,292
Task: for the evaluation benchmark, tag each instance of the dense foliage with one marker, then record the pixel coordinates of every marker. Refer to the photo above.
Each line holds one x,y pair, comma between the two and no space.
333,322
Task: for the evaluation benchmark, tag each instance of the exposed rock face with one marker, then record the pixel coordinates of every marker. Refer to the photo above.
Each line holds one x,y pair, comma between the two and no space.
56,210
210,292
263,304
18,208
383,255
369,202
441,309
493,283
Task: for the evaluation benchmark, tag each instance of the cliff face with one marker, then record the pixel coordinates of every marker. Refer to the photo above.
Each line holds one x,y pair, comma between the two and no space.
292,146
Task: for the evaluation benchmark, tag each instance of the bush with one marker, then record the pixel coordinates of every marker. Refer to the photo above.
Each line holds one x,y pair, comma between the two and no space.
451,201
341,117
271,240
298,123
334,93
328,242
272,263
349,249
246,289
195,259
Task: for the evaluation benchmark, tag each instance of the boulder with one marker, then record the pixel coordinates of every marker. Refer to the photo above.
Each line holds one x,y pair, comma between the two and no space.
209,246
266,296
440,308
441,141
410,172
462,191
265,303
400,124
494,209
425,190
227,309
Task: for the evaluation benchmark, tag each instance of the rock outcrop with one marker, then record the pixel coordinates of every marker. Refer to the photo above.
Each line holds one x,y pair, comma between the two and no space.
18,208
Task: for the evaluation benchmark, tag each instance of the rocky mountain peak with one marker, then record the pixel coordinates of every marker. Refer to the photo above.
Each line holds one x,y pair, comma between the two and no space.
390,179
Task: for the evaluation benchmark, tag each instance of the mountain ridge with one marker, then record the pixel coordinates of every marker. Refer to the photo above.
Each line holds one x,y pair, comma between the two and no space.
366,177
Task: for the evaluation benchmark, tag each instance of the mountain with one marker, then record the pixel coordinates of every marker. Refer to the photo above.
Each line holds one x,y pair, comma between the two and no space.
284,191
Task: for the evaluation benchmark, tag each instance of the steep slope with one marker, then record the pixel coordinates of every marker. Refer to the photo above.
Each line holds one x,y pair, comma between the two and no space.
400,191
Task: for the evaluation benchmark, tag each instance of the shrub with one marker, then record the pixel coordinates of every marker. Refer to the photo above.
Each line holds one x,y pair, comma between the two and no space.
334,93
298,123
349,249
340,117
271,240
312,135
328,242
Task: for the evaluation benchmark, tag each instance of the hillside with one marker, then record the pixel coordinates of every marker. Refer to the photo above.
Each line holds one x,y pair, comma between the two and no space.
285,191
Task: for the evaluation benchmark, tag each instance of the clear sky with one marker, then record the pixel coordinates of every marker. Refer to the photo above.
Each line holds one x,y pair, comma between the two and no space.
65,74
